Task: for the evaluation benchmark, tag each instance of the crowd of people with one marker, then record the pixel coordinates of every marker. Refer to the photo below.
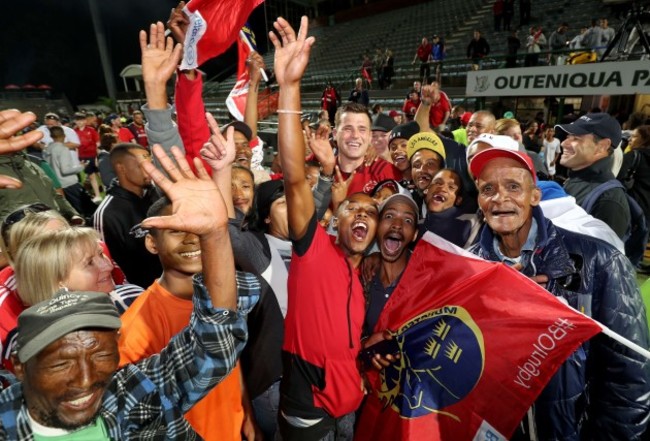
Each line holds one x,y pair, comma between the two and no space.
213,299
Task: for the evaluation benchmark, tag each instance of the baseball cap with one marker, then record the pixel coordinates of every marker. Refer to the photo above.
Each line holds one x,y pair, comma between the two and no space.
42,324
497,141
425,140
266,193
403,197
465,117
393,113
482,158
109,119
404,131
241,127
601,124
382,123
52,115
79,115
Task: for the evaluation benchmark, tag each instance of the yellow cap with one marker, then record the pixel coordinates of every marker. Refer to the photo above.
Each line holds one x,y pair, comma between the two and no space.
425,140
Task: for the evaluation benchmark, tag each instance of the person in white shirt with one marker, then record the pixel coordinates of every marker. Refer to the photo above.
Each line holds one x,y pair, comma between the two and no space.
552,151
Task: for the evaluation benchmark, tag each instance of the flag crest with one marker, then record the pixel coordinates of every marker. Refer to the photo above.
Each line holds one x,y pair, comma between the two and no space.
478,343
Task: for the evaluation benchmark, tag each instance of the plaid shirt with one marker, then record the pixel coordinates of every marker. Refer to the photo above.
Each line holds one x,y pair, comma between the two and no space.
147,400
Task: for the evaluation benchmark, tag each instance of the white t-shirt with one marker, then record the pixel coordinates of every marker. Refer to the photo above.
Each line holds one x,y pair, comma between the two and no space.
551,149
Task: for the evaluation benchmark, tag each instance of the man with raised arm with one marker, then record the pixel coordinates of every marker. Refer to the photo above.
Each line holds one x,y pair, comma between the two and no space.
321,386
67,352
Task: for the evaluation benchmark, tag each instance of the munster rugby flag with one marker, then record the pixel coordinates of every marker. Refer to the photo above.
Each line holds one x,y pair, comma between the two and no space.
236,101
479,342
213,27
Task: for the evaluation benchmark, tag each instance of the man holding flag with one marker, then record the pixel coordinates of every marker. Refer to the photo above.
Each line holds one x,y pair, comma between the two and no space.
602,391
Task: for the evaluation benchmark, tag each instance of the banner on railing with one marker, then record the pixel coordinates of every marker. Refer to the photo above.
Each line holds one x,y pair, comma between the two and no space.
611,78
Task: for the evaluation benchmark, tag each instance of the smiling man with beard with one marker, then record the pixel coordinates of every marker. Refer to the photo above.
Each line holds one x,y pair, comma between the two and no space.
321,386
396,230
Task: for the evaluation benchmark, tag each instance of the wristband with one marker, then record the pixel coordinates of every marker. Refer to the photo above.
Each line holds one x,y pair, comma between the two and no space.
290,112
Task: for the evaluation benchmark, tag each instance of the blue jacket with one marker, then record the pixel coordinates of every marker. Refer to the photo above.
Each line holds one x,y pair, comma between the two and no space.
602,392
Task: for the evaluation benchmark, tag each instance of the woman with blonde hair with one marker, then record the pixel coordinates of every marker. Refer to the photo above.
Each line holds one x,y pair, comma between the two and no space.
62,258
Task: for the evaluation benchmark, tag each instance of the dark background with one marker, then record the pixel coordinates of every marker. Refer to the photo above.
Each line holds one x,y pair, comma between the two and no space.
53,42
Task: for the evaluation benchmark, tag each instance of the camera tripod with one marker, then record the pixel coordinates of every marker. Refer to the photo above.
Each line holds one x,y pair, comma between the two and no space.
629,33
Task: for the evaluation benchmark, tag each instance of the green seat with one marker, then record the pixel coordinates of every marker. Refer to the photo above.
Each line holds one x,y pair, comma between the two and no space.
645,295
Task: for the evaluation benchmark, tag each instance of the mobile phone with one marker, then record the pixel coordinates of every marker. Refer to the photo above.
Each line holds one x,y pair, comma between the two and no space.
384,347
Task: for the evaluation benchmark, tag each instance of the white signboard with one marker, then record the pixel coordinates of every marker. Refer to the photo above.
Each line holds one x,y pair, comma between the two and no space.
609,78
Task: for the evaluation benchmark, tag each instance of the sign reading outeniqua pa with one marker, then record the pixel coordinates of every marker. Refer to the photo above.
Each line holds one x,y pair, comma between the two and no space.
611,78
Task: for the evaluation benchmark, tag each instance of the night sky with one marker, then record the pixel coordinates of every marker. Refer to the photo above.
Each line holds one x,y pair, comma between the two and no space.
53,42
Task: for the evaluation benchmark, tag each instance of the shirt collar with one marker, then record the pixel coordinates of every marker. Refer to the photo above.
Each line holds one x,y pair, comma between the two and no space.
529,245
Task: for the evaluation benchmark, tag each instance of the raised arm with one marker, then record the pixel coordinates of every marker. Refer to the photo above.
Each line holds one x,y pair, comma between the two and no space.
219,154
160,57
198,207
255,62
422,114
291,58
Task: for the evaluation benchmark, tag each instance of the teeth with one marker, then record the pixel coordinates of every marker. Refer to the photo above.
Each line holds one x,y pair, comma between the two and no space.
81,401
191,254
360,225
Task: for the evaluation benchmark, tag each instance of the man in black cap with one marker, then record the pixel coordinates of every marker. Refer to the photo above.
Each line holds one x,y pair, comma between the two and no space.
243,136
587,152
67,353
382,124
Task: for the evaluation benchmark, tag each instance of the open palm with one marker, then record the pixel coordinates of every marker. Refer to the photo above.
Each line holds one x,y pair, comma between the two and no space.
291,51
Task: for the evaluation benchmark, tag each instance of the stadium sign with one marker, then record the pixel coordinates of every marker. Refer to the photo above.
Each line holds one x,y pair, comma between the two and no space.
611,78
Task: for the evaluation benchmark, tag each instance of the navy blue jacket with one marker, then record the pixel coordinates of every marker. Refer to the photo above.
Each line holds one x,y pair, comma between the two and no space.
602,392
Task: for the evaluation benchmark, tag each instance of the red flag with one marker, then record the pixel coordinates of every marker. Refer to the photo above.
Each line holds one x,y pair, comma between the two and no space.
236,101
214,25
479,342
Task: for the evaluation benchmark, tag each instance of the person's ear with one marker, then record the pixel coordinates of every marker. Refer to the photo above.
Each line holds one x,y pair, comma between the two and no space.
150,244
536,197
267,220
19,368
459,200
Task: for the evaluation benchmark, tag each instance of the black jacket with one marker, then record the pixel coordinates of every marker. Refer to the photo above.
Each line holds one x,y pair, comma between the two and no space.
641,189
120,211
612,206
601,392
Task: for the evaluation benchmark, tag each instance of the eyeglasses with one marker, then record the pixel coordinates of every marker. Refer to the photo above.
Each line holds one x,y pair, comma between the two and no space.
18,215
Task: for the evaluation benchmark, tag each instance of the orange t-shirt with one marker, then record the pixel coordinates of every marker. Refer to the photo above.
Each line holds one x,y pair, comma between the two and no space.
147,326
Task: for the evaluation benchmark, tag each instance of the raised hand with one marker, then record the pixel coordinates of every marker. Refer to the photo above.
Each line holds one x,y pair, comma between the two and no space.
219,152
340,188
291,52
255,62
178,23
197,204
13,121
160,56
320,146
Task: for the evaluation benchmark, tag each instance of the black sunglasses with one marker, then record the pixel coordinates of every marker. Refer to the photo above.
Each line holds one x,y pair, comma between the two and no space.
18,215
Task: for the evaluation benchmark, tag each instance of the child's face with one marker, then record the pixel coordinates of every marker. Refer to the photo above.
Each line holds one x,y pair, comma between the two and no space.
442,192
383,194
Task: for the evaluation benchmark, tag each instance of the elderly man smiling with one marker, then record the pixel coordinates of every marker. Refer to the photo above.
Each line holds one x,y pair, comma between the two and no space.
602,392
67,352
